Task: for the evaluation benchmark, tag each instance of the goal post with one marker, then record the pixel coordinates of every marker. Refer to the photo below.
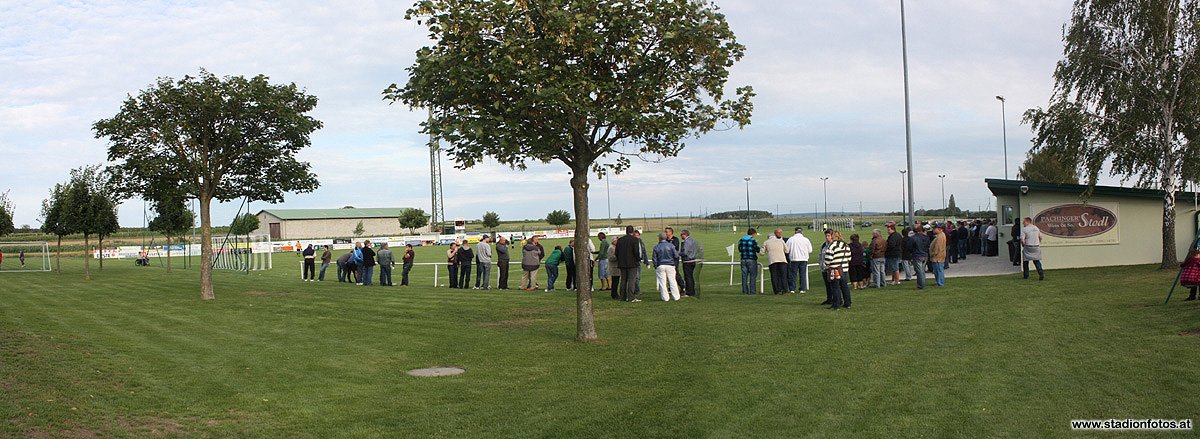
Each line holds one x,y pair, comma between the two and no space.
27,256
243,253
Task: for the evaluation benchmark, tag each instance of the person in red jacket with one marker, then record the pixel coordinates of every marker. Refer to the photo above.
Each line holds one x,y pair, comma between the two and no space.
1192,262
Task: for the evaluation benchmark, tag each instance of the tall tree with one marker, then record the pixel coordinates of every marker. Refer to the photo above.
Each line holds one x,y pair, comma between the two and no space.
215,139
952,207
172,218
6,214
1127,94
1043,165
491,220
54,220
244,224
412,218
89,208
575,82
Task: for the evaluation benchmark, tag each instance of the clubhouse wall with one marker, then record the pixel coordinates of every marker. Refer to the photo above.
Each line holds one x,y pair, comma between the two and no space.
1138,228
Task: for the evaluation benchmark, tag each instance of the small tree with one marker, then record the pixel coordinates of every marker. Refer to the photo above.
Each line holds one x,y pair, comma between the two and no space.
172,219
213,138
54,219
244,224
89,209
412,218
558,217
491,220
358,229
6,214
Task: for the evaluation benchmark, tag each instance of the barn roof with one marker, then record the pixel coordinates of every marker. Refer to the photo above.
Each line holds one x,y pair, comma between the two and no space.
354,213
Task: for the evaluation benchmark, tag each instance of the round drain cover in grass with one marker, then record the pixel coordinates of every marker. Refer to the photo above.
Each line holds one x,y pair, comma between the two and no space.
436,371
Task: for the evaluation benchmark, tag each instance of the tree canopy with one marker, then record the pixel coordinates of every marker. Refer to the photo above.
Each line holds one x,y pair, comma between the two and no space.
491,220
212,139
558,217
244,224
1127,97
6,214
1044,165
413,218
572,81
53,218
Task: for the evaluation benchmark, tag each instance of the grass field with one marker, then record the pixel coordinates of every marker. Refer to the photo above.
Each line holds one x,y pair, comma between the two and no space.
135,353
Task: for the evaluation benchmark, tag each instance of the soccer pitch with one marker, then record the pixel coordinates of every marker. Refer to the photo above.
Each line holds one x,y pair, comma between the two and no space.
136,353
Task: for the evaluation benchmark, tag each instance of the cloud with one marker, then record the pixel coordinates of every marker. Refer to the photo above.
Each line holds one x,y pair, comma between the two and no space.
828,77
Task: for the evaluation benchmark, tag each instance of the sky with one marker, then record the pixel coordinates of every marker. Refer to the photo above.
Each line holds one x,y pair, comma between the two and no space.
828,76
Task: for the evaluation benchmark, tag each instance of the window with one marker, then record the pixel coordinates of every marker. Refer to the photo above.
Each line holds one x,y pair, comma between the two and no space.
1006,214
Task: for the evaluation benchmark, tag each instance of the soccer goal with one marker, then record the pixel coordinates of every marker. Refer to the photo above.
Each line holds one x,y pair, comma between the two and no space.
29,256
243,253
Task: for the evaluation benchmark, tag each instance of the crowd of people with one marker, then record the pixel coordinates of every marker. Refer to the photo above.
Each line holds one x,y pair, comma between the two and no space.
929,247
877,262
357,266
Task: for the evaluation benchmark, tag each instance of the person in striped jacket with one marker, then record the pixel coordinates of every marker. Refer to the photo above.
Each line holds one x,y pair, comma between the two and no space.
837,266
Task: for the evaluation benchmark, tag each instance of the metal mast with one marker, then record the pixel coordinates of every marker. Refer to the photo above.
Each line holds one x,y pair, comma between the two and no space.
437,216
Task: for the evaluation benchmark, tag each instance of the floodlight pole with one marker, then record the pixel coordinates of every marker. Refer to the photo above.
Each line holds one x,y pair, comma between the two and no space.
943,177
903,203
747,203
907,116
825,192
1004,131
608,190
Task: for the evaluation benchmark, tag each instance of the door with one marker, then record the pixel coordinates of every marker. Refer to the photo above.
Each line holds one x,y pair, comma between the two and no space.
274,231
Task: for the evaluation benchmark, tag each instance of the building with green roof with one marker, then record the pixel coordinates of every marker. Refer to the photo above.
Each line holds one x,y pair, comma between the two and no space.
286,224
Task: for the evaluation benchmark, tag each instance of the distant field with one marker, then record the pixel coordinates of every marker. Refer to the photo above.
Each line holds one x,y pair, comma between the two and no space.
135,353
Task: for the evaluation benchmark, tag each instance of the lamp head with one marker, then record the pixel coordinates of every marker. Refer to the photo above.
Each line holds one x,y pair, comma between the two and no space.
1000,98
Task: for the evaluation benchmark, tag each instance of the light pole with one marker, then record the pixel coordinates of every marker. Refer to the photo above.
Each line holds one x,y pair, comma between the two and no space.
1004,131
825,192
943,177
747,203
608,190
907,117
903,202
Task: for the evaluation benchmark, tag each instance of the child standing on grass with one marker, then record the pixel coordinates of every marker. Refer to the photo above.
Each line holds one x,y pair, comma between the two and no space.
1189,275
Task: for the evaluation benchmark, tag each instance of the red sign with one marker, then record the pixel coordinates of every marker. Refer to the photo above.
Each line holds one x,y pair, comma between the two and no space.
1075,221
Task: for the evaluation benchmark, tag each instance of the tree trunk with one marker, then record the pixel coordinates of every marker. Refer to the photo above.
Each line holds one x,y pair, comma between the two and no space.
58,254
87,258
586,329
1169,259
168,253
100,245
206,287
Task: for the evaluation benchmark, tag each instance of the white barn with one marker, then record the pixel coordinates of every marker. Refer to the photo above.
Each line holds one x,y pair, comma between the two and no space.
285,224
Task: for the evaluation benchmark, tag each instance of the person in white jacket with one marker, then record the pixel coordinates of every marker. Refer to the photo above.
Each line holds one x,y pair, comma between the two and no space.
799,249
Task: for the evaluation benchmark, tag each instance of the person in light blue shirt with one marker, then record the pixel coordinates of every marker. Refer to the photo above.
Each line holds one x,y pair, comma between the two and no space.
666,258
358,264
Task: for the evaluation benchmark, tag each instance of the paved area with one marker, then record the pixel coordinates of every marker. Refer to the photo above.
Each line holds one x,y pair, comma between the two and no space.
976,265
436,371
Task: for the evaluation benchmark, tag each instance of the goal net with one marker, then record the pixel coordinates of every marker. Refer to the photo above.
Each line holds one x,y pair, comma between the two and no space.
29,256
243,253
